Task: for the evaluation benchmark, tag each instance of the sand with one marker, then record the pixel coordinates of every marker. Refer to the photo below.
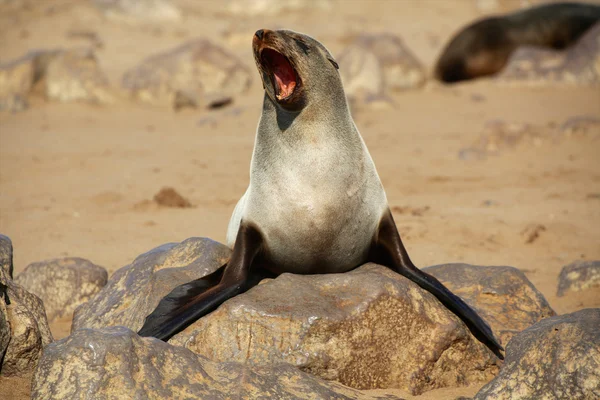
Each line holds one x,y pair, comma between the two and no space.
78,180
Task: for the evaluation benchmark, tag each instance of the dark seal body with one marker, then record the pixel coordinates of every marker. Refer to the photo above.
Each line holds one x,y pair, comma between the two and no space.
484,47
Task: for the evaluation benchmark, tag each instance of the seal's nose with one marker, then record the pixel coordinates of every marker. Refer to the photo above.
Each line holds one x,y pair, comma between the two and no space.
259,33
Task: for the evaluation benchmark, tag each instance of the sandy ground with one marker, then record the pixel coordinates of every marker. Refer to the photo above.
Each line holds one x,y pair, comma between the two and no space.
75,179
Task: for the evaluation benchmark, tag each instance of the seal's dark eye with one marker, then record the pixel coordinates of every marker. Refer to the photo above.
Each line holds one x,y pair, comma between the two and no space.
302,45
334,63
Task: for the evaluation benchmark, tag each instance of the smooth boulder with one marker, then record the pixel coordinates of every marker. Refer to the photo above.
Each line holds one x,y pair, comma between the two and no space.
195,74
503,296
368,328
115,363
63,284
134,291
578,276
557,358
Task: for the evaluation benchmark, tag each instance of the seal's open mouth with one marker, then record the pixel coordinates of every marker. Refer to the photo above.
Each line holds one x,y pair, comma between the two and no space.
284,77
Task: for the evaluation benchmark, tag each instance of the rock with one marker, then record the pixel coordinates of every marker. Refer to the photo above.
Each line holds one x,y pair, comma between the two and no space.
64,75
576,65
557,358
139,10
368,328
75,75
169,197
134,291
503,296
16,80
273,7
195,74
577,276
375,65
29,329
63,284
6,257
116,363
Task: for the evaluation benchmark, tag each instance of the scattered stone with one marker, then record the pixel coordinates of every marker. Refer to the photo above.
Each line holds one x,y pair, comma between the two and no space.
557,358
581,125
169,197
532,232
134,291
578,276
63,284
196,74
273,7
6,257
368,328
376,65
139,10
16,80
503,296
29,331
62,75
116,363
576,65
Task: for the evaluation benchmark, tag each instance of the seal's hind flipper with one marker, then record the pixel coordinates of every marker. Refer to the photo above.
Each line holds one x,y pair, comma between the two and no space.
388,250
191,301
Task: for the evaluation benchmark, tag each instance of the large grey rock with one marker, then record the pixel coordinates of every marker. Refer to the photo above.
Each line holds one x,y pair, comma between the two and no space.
503,296
368,328
139,10
63,284
115,363
579,64
6,256
29,331
198,74
16,80
62,75
134,291
579,275
376,65
557,358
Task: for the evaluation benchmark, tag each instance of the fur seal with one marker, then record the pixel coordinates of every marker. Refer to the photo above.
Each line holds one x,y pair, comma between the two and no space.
314,204
484,47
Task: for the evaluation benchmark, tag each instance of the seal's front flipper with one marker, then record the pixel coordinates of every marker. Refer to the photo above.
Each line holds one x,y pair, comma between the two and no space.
191,301
388,250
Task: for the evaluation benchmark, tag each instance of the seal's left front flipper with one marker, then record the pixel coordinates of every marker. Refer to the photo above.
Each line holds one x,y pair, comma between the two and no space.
191,301
388,250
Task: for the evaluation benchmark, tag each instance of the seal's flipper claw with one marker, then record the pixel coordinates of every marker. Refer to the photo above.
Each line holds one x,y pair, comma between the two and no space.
191,301
388,250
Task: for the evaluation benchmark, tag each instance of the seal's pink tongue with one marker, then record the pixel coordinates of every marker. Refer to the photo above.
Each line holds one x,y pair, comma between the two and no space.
285,76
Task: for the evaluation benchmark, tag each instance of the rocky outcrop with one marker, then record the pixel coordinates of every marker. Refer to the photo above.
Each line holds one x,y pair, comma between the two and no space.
139,10
576,65
368,328
557,358
503,296
196,74
63,284
376,65
24,329
577,276
134,291
116,363
60,75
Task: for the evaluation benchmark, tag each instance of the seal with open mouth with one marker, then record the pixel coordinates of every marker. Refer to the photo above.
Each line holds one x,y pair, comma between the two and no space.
314,204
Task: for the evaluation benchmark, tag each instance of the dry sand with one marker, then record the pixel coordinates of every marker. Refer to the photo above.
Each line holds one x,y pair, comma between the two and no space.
77,180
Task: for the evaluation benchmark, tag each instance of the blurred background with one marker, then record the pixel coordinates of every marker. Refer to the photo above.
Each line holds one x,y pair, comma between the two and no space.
127,124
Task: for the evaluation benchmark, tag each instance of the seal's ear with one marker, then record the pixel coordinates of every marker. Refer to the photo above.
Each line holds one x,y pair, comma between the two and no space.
335,64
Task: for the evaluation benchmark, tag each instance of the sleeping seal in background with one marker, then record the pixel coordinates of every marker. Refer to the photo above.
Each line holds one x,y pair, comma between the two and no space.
314,204
484,47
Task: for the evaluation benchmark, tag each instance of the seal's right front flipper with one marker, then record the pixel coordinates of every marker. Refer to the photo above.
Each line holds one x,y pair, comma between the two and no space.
191,301
388,250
